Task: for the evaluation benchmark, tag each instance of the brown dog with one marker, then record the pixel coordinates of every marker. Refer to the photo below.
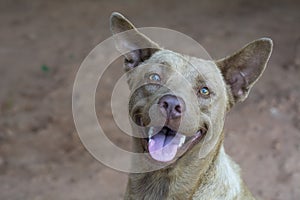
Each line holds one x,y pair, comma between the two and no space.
191,96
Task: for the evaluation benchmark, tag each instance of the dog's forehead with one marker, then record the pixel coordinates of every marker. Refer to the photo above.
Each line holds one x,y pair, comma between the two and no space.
189,67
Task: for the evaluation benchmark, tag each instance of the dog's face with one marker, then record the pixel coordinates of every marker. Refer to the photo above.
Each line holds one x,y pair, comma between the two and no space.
178,102
175,100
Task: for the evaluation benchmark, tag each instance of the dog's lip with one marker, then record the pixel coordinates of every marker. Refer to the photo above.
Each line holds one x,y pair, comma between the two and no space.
190,141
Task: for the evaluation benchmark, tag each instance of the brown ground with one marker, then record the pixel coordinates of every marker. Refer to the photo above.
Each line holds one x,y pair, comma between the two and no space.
41,157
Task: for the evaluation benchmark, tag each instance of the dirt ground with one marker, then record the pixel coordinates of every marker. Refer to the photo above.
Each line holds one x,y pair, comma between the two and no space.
43,44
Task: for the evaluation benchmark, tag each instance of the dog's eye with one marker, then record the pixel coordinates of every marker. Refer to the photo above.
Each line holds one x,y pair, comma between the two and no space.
204,91
154,77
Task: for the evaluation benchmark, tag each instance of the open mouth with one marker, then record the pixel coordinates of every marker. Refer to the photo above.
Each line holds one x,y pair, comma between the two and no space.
167,145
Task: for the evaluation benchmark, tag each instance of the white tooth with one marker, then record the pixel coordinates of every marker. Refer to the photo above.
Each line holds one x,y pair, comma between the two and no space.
182,140
150,132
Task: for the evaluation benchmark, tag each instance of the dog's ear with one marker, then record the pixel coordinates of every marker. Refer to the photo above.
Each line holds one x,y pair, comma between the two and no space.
243,69
135,46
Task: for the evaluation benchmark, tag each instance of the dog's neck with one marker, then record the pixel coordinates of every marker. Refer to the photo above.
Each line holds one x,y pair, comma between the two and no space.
189,179
221,181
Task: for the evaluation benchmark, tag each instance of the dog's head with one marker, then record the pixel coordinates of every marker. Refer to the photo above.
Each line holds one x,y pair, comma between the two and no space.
177,101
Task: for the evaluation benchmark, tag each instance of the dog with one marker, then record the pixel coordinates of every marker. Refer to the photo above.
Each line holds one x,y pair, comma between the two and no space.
177,105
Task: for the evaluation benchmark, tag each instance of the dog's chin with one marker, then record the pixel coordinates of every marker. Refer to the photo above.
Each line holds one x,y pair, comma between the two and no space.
166,145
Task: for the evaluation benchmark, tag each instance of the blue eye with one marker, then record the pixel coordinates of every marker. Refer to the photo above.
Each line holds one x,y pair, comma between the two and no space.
154,77
204,91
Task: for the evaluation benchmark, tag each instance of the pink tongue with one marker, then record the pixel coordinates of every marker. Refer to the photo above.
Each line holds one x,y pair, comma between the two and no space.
163,148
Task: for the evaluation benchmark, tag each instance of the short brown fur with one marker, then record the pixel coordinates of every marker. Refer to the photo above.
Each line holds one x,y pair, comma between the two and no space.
190,176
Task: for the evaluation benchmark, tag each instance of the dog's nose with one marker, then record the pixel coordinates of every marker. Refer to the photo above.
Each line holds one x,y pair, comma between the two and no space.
171,106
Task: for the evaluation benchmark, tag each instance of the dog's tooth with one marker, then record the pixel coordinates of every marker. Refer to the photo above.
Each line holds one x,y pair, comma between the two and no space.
150,132
182,140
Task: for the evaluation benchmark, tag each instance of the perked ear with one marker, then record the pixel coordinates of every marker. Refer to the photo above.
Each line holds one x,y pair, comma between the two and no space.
243,69
135,46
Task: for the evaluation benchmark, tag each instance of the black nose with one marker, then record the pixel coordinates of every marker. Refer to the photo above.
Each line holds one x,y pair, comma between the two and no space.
171,106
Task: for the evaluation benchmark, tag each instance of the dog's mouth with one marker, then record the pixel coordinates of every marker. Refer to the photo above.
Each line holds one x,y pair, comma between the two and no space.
167,145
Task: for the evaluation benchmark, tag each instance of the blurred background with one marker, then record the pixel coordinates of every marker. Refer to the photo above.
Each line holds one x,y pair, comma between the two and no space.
43,44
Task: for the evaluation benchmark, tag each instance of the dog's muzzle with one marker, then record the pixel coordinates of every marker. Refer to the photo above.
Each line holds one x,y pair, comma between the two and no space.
163,142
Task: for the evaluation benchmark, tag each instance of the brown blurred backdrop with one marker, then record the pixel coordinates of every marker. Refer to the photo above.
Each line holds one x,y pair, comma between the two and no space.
43,44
